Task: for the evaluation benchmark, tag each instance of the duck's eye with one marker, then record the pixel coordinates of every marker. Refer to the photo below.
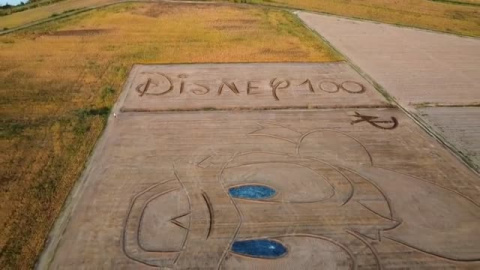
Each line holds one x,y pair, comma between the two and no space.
259,248
252,192
276,182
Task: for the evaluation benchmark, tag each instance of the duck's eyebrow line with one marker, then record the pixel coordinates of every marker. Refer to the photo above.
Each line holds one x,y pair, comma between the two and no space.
174,221
210,211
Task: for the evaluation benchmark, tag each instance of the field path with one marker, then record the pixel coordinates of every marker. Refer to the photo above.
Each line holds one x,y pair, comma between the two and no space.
418,69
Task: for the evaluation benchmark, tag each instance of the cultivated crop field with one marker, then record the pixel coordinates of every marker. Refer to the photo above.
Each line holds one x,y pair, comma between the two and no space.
59,81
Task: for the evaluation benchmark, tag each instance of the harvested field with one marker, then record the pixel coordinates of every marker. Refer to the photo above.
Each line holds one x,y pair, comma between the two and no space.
56,92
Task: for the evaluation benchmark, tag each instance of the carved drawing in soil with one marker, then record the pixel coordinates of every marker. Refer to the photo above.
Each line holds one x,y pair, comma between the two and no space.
331,183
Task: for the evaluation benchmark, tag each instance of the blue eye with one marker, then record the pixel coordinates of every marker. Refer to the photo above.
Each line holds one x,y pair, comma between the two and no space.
260,248
252,192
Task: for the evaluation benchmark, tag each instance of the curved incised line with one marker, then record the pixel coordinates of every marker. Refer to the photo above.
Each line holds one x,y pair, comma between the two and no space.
262,127
141,218
372,248
129,211
334,131
432,253
179,224
282,126
219,176
189,210
272,136
435,184
210,212
346,249
375,212
352,187
389,204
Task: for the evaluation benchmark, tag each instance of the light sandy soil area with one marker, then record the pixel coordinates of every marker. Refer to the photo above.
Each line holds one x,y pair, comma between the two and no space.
292,189
418,68
414,66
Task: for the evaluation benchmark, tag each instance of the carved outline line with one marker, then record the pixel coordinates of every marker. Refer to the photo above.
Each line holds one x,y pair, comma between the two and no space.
206,158
275,124
335,131
352,191
178,223
376,186
346,249
371,247
384,195
374,212
239,213
189,209
431,253
432,183
210,212
123,240
141,219
265,126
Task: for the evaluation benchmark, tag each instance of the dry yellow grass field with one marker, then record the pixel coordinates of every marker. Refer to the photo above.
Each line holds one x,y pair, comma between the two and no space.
427,14
58,81
441,15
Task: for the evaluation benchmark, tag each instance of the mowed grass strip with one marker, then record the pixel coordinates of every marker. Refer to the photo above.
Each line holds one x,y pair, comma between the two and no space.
59,81
426,14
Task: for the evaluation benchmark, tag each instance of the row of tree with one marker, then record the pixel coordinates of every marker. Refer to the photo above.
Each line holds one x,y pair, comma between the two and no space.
7,5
